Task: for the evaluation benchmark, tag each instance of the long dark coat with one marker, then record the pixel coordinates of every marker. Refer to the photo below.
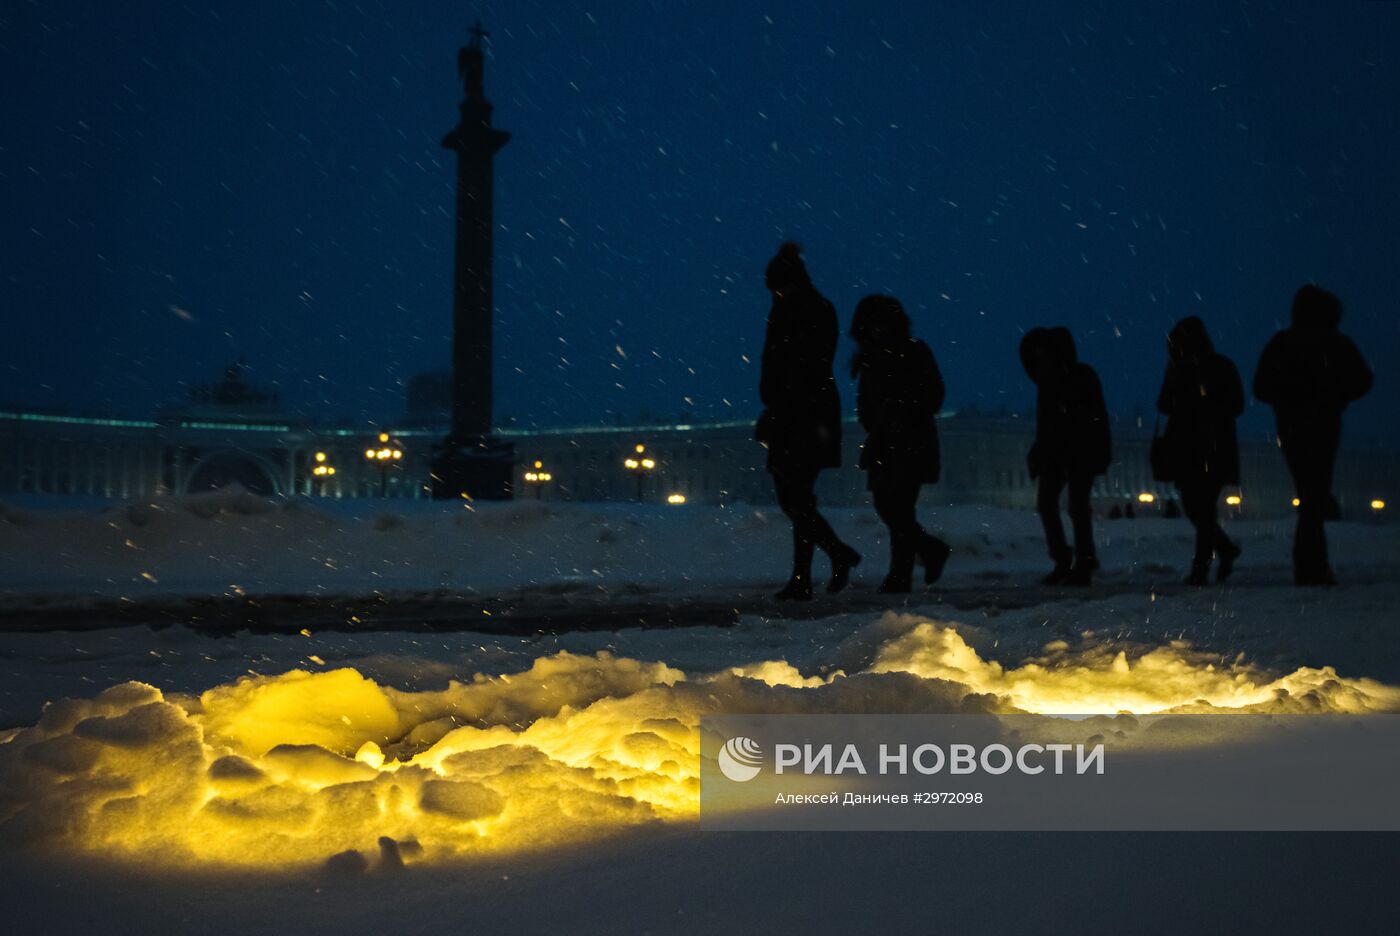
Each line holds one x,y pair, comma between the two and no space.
899,395
1201,397
801,422
1071,419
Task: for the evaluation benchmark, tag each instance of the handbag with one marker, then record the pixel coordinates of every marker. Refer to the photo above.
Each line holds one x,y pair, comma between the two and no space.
1162,455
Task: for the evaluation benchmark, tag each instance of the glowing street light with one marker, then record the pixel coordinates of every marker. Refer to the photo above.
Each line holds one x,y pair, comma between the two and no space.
641,466
384,457
1147,497
538,478
1378,505
1233,500
322,472
675,499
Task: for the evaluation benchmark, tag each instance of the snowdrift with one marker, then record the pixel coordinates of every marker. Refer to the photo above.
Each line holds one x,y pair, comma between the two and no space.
336,770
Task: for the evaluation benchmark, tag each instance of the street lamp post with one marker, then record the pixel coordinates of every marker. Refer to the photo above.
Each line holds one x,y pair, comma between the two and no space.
321,473
385,456
640,465
538,478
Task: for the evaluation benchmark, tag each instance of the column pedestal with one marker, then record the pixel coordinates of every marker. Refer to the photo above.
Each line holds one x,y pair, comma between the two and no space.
481,469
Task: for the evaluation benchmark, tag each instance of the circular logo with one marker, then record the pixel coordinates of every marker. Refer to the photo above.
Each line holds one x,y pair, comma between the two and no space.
740,759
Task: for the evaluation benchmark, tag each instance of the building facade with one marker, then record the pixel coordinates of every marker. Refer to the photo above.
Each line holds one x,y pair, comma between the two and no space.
234,434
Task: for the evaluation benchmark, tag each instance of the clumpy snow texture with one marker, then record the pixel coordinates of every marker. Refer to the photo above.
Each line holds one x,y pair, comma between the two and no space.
359,779
333,769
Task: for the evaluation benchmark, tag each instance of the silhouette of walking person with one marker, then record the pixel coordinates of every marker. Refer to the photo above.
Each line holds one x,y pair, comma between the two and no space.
1308,373
801,420
1201,397
897,400
1071,447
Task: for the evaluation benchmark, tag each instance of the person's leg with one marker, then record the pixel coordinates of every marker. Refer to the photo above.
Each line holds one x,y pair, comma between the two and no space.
1310,448
1198,503
1311,564
797,497
1047,504
933,552
818,531
902,561
1226,549
1309,537
894,502
1309,460
797,500
1082,518
1327,465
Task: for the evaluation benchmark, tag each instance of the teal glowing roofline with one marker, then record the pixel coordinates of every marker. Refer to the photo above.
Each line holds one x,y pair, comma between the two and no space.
79,420
436,432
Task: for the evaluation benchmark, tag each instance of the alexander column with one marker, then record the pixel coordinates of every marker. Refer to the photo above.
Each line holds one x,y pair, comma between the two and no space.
471,461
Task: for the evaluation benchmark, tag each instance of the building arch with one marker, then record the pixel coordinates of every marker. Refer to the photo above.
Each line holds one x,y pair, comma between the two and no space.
232,466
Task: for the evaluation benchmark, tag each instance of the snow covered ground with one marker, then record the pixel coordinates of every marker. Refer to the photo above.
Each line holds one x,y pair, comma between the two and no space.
548,781
236,543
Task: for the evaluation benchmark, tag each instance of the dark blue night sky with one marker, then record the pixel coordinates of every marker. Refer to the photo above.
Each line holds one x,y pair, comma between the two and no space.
184,184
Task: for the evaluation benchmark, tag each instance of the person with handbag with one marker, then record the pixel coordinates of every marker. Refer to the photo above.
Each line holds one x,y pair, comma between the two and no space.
1198,451
898,398
801,420
1072,446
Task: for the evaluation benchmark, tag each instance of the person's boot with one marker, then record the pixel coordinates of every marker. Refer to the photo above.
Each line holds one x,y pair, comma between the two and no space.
1082,572
933,553
1323,577
895,584
843,560
1060,574
797,589
1228,552
901,577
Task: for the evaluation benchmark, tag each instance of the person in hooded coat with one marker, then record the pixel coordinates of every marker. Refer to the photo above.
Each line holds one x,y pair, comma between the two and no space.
1201,397
898,398
1309,373
1071,447
801,419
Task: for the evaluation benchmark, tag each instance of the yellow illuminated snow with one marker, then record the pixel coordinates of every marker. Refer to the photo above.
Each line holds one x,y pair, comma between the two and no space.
296,768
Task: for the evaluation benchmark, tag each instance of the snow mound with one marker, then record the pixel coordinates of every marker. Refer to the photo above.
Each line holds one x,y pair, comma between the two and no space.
333,769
